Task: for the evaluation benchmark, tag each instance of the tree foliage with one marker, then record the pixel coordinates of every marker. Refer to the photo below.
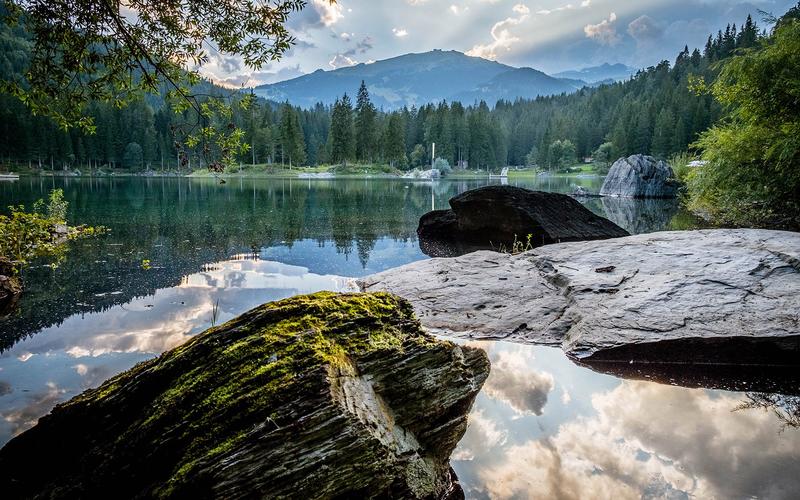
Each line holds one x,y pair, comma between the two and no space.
753,169
96,51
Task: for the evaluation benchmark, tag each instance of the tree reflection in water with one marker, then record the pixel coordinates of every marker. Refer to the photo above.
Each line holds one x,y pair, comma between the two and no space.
786,408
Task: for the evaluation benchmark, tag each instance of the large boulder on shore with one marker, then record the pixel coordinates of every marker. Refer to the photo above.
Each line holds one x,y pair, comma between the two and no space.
321,396
496,217
640,176
687,297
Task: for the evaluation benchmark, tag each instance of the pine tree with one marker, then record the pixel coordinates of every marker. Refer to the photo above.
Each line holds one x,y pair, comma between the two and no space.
293,146
663,133
394,142
342,133
364,125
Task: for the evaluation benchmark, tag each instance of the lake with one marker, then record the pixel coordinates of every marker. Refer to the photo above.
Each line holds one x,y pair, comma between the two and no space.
185,254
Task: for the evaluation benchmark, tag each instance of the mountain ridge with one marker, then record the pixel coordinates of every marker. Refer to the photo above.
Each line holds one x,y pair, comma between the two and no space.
416,79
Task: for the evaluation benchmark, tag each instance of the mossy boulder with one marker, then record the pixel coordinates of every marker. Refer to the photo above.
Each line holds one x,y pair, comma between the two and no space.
317,396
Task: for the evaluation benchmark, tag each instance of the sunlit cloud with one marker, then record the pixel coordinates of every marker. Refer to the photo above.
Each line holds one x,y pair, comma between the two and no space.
502,36
604,32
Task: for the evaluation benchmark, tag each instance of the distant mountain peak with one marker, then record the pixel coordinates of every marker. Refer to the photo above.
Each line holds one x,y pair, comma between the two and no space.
416,79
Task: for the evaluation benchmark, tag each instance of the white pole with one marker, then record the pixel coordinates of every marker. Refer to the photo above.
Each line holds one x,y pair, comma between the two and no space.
433,154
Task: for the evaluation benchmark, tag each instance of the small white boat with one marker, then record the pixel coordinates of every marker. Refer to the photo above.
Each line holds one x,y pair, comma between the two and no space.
9,176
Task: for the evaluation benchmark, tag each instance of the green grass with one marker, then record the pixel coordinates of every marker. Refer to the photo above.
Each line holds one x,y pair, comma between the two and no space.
276,170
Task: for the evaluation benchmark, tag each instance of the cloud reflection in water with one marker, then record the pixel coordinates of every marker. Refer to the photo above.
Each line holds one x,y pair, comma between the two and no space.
87,349
615,438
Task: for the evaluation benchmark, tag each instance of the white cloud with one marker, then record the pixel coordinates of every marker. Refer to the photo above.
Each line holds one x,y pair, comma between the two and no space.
399,32
569,6
605,32
455,9
341,61
329,13
521,9
502,36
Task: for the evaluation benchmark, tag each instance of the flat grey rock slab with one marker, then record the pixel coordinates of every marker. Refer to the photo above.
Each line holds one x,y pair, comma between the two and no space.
710,296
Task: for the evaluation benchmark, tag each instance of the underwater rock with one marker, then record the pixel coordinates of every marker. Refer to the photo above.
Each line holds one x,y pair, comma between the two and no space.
494,217
319,396
727,296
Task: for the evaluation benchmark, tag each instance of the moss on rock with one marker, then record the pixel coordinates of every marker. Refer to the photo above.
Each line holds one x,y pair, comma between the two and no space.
315,396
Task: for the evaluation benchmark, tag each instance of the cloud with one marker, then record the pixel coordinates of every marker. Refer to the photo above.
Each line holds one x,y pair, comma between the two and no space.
502,36
521,9
329,13
515,383
399,32
569,6
605,32
455,9
341,61
644,29
256,78
347,58
320,13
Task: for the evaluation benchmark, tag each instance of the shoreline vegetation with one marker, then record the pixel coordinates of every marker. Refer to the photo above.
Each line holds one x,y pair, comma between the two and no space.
264,171
28,235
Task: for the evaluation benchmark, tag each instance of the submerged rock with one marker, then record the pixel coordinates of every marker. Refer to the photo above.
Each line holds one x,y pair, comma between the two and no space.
640,176
321,396
495,217
703,297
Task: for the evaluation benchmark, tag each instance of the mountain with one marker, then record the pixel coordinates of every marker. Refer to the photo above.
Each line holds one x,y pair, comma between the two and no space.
415,79
525,83
597,74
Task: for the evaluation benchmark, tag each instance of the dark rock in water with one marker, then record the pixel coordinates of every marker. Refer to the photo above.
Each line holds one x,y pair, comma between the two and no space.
582,192
10,286
320,396
640,176
498,216
715,297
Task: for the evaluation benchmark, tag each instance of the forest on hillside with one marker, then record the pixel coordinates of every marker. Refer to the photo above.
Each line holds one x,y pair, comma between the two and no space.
655,113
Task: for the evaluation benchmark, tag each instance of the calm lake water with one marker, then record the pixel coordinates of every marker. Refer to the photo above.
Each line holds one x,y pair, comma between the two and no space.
542,427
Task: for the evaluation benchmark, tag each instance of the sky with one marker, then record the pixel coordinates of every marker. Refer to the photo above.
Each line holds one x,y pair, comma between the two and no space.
549,35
